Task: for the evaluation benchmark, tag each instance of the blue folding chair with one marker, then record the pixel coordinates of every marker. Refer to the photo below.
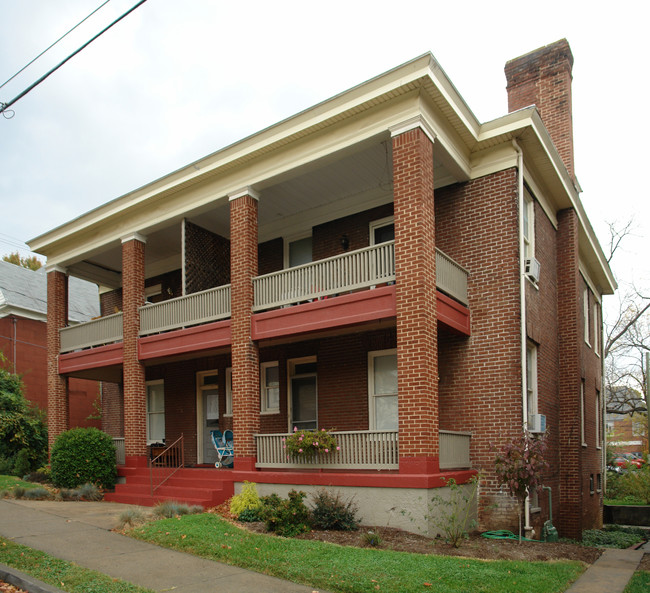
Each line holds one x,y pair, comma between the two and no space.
223,443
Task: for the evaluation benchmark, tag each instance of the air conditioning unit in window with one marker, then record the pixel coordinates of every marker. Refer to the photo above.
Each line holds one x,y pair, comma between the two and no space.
537,423
532,269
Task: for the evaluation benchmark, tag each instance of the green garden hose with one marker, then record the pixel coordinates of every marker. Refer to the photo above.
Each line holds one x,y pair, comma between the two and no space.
505,534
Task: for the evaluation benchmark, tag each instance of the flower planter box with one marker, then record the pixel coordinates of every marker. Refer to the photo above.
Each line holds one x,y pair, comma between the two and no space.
626,514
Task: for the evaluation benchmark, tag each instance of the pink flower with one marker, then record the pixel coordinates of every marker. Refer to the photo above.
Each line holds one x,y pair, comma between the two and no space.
338,448
327,450
295,429
283,439
322,430
300,439
299,450
284,446
315,444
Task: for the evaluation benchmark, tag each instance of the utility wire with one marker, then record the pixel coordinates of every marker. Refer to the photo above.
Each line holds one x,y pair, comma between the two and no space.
5,106
51,46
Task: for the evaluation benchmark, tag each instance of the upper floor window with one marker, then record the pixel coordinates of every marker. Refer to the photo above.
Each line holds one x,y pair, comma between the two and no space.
597,327
582,413
585,314
529,225
270,387
531,381
298,251
382,230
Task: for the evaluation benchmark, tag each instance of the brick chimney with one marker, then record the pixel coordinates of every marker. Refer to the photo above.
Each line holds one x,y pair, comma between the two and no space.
543,78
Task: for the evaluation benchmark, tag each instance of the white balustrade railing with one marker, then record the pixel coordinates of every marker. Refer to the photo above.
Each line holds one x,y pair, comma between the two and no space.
454,449
358,450
192,309
104,330
451,277
120,451
361,450
342,273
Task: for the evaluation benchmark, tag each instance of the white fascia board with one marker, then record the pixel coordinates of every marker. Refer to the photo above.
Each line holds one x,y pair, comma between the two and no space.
7,310
492,160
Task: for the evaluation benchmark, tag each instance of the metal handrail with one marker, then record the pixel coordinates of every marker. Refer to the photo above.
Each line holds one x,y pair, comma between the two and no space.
159,465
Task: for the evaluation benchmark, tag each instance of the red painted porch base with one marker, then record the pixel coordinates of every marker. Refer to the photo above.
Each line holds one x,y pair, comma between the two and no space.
194,339
91,358
419,465
245,464
136,461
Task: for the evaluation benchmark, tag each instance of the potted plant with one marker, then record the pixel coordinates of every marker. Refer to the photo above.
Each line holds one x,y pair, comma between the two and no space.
306,444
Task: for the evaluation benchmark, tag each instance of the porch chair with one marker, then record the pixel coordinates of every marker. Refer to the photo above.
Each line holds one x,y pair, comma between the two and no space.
223,443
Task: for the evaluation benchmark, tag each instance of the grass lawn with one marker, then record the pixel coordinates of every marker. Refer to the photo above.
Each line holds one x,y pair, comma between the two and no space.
640,583
8,482
354,570
61,574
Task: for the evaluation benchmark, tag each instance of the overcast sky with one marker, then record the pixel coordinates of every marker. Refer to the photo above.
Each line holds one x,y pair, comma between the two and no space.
176,81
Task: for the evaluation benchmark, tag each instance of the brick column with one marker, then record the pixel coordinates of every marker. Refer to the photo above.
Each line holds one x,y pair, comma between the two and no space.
135,391
245,354
417,336
569,336
58,412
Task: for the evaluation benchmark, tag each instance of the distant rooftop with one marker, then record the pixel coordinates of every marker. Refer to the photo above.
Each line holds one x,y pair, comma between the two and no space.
23,293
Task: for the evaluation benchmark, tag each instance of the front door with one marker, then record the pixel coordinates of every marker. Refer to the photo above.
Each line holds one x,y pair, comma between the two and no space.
208,417
303,394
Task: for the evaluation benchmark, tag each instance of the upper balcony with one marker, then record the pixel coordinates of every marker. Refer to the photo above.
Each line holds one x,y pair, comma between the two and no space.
356,272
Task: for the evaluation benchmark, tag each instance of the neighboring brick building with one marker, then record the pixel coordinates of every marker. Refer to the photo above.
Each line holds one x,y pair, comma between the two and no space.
381,264
23,337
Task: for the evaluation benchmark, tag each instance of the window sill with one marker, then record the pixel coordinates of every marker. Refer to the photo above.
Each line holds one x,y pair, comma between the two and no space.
584,445
534,510
228,415
269,412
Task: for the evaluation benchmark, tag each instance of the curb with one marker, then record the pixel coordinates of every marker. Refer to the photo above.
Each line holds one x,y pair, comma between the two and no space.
24,581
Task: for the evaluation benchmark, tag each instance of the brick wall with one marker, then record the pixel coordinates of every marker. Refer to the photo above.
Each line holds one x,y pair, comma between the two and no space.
170,285
113,409
480,376
270,256
207,259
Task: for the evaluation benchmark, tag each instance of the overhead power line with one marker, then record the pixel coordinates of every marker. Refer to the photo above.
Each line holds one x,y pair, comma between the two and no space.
51,46
5,106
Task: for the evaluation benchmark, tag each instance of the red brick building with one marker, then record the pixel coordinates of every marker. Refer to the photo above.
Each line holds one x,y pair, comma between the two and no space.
382,264
23,337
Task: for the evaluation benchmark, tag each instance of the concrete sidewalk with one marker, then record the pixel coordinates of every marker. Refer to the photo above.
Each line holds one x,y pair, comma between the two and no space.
80,532
610,573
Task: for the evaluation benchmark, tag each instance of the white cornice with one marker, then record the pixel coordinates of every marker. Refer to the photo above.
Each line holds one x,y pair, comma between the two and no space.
245,191
134,237
55,268
411,124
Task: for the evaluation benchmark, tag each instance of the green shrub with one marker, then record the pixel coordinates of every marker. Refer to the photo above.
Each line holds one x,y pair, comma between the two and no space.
610,539
131,518
249,515
37,494
637,483
83,455
371,538
332,512
286,517
19,491
69,494
247,500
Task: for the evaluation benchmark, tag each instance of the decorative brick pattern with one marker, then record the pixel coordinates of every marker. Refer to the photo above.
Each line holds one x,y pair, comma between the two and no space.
417,336
58,420
207,259
543,78
135,393
245,355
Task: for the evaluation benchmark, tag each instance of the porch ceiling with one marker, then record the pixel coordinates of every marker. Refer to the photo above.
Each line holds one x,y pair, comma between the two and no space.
342,184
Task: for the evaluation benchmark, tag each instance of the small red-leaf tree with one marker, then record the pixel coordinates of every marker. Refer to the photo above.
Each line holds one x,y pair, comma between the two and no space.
519,465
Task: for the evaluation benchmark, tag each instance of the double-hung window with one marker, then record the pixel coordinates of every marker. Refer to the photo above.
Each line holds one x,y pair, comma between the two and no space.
531,381
155,412
382,389
270,387
529,225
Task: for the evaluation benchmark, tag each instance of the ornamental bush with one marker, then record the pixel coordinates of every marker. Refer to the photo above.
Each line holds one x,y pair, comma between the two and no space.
83,455
286,517
332,512
307,443
245,502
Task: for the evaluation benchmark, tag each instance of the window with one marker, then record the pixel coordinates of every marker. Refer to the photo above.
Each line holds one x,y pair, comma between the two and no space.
531,381
382,230
585,309
529,225
582,412
599,482
382,389
591,483
597,328
228,392
599,421
270,387
298,252
303,394
155,412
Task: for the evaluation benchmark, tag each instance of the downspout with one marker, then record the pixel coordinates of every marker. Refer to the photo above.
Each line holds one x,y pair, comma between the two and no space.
14,321
522,306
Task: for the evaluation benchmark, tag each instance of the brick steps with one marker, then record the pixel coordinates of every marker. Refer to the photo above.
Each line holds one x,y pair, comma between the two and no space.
204,487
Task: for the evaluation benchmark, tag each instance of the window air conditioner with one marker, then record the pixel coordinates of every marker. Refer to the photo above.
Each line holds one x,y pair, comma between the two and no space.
537,423
532,269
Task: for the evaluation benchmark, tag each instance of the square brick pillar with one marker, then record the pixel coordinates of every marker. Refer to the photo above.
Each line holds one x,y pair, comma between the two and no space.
569,343
245,353
415,268
135,391
58,410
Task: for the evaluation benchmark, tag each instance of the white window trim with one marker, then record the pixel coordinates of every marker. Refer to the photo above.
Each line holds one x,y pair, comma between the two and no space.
531,377
529,232
290,239
228,412
599,421
148,413
200,387
377,224
291,365
597,328
582,413
371,383
585,312
263,397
